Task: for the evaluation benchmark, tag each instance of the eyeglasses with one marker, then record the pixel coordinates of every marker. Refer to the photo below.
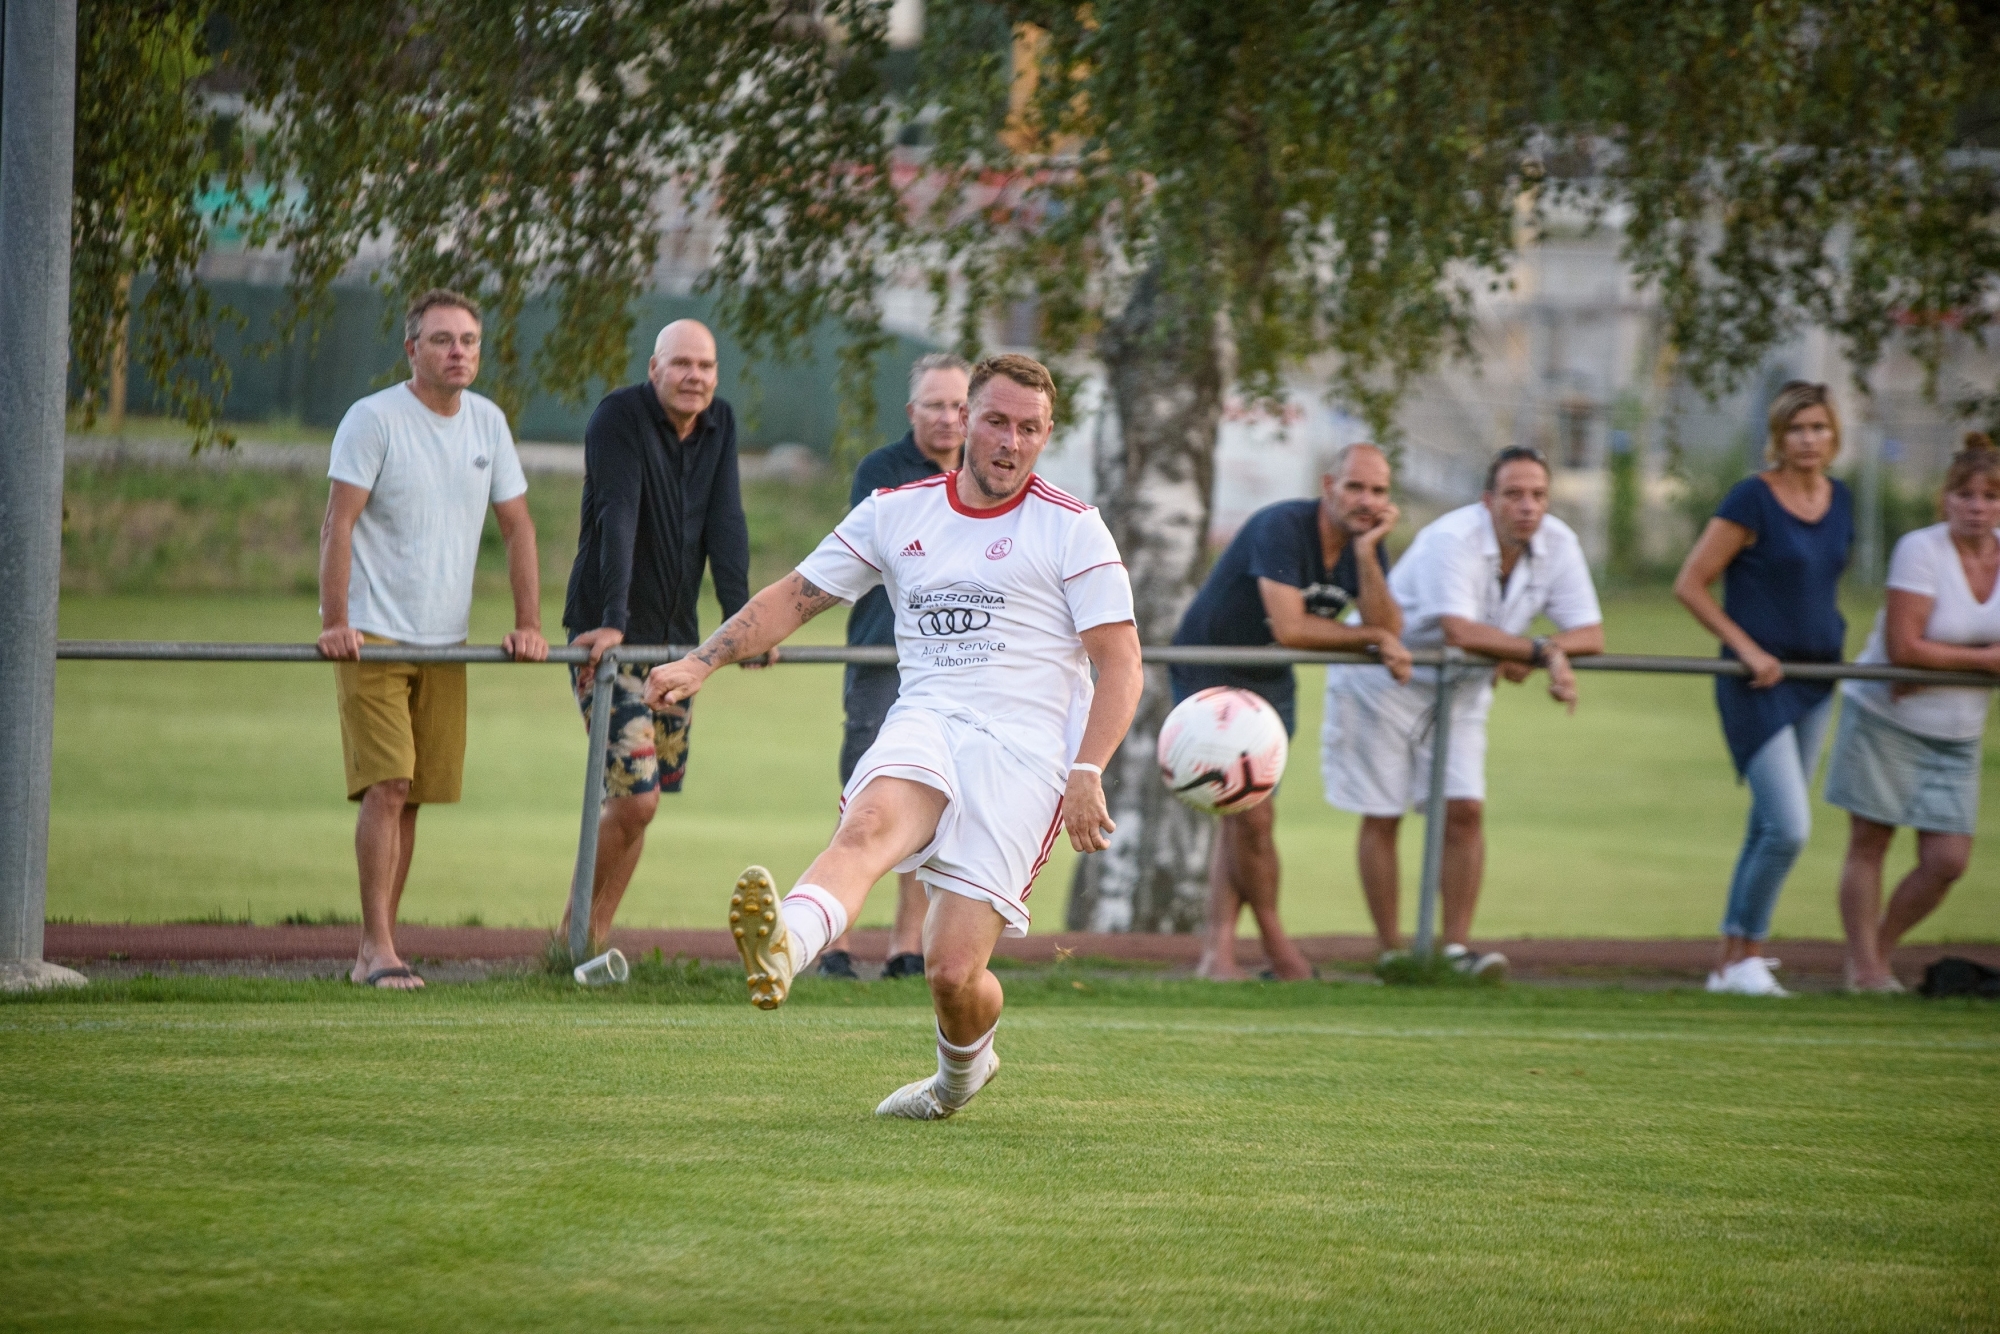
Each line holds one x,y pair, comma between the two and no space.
467,341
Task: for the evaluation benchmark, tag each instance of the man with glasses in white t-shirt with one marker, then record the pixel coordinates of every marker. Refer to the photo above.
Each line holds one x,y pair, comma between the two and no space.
413,469
1475,579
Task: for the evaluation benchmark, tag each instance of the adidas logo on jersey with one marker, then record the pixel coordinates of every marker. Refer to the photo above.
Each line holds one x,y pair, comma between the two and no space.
914,549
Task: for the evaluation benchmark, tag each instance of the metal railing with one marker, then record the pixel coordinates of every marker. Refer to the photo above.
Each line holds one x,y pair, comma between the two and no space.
1470,666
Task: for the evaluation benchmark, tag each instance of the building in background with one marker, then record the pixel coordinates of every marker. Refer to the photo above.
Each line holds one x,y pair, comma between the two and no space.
1570,358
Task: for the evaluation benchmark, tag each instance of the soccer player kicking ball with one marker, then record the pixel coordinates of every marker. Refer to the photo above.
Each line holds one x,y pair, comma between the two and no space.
1007,592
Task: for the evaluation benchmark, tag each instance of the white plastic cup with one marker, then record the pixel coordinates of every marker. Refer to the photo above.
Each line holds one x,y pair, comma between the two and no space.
609,966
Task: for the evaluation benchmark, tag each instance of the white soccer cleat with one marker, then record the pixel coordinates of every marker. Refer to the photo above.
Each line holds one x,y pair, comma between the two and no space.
770,956
1748,977
919,1101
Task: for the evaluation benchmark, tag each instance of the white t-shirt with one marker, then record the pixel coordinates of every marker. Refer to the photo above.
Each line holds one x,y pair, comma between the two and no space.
429,480
1926,563
989,605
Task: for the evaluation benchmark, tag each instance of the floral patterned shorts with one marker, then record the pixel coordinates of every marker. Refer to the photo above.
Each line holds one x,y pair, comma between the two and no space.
648,750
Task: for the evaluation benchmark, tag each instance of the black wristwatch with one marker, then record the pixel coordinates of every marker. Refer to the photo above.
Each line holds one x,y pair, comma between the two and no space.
1538,651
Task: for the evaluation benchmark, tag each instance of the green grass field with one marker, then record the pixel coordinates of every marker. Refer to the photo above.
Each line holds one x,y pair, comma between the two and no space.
1153,1156
141,530
192,790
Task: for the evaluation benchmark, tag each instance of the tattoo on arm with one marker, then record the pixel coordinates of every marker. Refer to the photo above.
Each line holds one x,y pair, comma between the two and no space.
812,599
722,646
747,634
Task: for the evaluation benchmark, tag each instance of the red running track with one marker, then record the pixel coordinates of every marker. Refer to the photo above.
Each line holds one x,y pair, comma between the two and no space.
69,942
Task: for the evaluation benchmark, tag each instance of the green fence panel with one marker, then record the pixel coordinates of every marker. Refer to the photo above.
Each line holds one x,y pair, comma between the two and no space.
356,352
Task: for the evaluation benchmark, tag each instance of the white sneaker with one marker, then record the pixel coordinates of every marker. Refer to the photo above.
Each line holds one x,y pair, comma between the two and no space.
919,1101
1748,977
1481,967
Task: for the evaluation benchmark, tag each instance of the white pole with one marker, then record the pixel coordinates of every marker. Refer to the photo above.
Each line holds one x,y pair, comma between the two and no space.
37,131
1868,563
1431,887
583,880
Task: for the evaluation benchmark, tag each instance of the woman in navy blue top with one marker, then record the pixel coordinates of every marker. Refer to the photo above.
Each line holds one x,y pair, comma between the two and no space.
1779,542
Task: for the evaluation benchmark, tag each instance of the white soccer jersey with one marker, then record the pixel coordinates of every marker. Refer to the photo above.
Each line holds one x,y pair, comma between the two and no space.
989,605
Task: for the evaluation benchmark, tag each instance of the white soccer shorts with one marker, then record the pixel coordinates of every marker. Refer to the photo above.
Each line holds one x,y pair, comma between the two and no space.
1375,740
1000,819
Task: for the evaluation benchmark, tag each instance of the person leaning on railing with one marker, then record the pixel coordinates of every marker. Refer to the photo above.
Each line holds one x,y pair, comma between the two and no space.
1910,755
1475,579
1779,541
1307,574
662,498
412,471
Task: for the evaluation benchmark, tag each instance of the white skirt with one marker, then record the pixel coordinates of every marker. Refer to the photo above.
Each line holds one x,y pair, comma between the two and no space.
1884,772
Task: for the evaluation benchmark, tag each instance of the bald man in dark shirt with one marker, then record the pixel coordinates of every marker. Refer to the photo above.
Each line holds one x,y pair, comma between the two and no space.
661,499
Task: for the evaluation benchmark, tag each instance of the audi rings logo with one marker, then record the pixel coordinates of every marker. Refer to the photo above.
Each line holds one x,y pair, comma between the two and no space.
960,608
941,621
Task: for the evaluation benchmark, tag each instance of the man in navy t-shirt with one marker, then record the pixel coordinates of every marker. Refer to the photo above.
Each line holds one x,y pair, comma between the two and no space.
1305,574
937,397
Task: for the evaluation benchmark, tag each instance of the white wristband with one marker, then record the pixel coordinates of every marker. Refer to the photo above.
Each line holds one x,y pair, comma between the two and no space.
1087,768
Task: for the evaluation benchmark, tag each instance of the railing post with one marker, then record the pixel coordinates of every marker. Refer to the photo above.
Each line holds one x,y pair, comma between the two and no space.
1434,821
585,876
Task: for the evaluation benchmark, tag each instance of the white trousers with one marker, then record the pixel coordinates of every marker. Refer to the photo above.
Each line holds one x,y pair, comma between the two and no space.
1375,741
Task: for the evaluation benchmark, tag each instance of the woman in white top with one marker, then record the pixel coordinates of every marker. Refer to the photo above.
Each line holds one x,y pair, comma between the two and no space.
1910,755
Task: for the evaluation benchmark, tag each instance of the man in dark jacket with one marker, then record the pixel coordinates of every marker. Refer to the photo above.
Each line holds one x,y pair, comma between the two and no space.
932,445
661,497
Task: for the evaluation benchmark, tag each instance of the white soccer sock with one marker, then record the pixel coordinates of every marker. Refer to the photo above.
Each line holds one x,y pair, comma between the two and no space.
959,1067
814,917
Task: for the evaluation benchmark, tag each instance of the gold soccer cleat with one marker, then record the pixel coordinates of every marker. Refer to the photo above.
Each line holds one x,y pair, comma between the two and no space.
769,958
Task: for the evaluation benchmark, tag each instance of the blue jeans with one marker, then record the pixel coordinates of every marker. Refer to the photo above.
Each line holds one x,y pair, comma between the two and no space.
1780,778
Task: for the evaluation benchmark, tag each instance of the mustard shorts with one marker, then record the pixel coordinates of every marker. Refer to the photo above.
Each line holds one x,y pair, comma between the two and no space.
402,720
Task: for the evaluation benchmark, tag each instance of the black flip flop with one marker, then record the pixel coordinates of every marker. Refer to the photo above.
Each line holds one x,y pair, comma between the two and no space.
375,978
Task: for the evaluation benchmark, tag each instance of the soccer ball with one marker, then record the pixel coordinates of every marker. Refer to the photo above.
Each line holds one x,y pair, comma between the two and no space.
1222,750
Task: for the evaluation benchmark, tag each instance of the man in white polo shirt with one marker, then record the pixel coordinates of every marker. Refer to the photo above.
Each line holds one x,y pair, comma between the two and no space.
1476,579
413,470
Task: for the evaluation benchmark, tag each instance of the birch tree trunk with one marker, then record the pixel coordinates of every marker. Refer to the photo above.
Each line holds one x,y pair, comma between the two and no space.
1155,481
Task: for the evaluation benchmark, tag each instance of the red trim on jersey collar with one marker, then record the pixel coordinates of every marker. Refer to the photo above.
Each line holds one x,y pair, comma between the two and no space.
1055,495
935,479
951,494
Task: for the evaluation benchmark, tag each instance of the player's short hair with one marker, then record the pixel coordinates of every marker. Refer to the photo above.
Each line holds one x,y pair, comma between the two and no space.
1024,371
1515,454
413,318
935,361
1794,397
1342,456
